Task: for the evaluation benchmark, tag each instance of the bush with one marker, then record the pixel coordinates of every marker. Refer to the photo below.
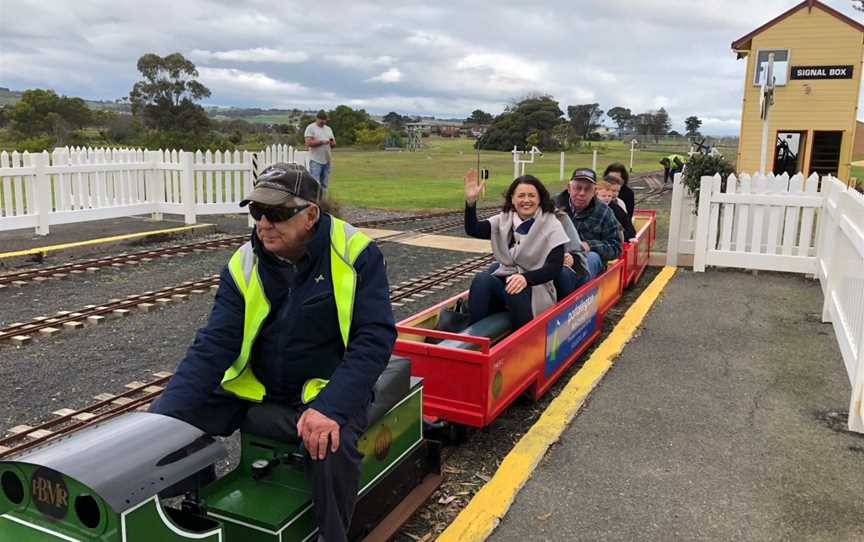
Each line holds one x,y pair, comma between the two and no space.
370,138
700,165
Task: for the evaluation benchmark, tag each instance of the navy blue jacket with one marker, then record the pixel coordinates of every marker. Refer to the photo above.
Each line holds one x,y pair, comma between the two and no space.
596,225
300,338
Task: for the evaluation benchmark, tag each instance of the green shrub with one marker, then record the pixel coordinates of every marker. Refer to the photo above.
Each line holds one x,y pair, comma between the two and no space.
700,165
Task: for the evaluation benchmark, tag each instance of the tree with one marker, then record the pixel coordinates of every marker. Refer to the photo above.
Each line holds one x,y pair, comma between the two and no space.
165,99
345,122
622,117
584,118
371,138
42,111
535,116
478,116
858,4
394,121
660,124
692,123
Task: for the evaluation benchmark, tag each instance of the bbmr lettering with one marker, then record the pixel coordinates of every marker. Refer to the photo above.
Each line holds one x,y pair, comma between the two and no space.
49,492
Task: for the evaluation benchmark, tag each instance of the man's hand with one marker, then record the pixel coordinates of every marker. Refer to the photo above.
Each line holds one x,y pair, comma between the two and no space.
515,284
316,429
586,246
568,260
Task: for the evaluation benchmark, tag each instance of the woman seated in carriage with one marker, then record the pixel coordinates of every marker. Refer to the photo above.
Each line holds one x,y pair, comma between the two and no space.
528,243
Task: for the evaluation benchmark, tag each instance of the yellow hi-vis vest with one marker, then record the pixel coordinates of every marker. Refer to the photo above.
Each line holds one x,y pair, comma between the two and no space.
346,243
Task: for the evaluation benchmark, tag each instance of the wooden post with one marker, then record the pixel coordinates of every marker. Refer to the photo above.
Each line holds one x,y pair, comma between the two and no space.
42,186
675,221
187,187
151,182
702,225
561,168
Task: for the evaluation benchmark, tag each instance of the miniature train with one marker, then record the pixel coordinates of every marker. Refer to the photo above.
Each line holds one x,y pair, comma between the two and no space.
472,376
104,483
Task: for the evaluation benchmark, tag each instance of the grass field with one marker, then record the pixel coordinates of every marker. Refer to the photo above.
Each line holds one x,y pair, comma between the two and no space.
431,178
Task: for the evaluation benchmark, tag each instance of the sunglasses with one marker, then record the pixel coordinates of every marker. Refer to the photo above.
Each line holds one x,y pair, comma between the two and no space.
274,214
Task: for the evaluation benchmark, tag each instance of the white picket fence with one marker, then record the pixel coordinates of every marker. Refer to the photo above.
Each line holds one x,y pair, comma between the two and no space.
81,184
812,226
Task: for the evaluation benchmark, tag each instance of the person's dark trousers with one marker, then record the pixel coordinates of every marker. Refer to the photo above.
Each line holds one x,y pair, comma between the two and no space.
674,171
667,175
335,479
487,295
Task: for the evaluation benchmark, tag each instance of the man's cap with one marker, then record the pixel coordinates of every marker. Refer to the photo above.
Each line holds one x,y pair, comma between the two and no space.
279,182
584,174
321,115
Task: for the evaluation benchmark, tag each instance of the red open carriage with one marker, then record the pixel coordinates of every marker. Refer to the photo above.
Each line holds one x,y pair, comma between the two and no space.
473,384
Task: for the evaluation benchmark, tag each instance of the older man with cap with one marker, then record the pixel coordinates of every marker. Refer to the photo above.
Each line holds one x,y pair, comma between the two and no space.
301,325
597,227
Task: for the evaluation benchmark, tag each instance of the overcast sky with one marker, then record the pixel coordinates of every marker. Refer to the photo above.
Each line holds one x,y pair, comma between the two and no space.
433,58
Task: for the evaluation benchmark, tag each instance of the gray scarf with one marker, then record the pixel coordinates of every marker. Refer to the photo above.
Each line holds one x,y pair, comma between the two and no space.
529,252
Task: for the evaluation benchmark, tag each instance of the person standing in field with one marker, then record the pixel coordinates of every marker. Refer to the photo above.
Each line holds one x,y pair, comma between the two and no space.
320,140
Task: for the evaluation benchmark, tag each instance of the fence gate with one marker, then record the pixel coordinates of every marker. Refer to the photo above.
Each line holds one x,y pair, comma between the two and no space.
759,222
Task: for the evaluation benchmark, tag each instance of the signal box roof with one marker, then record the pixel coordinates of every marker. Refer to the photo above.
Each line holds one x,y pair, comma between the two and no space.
743,43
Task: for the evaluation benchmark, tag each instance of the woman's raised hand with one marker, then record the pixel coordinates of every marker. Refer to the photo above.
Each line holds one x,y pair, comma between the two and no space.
473,188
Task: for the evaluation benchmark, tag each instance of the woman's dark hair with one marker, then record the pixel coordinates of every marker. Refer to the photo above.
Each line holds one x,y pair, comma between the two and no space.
620,169
546,203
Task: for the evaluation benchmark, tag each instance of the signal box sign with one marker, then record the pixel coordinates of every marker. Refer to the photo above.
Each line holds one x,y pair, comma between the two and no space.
821,72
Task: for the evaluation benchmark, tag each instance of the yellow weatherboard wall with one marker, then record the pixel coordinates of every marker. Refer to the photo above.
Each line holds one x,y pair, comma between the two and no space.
814,36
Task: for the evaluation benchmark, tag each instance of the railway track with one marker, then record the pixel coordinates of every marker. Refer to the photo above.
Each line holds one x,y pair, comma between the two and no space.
140,394
25,277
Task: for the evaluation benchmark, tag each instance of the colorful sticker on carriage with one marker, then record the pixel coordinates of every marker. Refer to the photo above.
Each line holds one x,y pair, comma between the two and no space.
566,331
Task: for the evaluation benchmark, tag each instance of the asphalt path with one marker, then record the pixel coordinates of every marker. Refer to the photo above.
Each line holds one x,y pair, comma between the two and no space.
722,420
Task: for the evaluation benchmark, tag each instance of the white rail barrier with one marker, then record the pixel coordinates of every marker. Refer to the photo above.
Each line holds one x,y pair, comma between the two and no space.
840,269
81,184
800,225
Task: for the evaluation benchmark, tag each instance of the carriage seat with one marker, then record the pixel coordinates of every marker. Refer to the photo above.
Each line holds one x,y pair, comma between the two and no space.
494,326
278,421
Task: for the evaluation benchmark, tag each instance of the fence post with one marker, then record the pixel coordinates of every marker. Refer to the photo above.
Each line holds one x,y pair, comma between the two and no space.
42,185
561,168
151,180
856,403
673,244
594,161
187,186
702,224
250,159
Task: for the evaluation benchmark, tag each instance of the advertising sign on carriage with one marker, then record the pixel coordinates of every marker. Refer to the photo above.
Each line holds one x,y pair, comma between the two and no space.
566,331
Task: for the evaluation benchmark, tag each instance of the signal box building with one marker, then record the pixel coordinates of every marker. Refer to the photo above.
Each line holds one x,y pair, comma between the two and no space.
818,55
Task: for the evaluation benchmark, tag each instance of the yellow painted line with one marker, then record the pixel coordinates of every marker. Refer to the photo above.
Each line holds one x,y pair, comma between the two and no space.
477,520
51,248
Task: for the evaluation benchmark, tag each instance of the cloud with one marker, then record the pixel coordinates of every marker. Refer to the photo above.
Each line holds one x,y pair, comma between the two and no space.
250,82
393,75
445,60
353,60
258,54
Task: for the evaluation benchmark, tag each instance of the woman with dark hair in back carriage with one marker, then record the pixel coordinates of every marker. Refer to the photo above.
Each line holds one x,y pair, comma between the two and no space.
626,193
528,244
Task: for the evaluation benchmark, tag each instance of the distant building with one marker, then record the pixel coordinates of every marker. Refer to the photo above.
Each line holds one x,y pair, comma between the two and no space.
446,128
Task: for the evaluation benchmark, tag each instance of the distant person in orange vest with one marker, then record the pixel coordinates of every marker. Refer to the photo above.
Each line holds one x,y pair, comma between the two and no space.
320,140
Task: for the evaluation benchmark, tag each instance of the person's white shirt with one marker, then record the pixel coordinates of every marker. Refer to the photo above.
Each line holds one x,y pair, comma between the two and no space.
320,153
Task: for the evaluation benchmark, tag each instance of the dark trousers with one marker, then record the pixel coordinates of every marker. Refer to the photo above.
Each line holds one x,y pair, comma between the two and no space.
487,295
335,479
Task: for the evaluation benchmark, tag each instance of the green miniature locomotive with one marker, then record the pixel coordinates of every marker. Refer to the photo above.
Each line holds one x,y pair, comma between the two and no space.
103,483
